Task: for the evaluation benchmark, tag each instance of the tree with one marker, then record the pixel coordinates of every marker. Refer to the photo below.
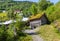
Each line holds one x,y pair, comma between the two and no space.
53,12
33,9
44,4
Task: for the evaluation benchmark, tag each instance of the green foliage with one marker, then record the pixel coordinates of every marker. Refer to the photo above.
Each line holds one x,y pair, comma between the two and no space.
44,4
3,16
3,33
33,9
53,12
27,38
13,32
10,34
11,5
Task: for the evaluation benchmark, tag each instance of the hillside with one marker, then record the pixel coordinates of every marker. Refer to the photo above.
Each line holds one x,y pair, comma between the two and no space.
20,4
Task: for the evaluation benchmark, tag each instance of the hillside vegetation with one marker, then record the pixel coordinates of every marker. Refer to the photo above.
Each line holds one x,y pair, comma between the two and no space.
49,33
3,16
32,10
53,12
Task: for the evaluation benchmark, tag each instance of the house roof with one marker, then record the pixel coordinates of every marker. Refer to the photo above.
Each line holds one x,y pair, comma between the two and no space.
25,19
11,21
36,16
7,22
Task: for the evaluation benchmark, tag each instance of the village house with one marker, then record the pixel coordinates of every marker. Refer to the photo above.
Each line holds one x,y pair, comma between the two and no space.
17,11
38,20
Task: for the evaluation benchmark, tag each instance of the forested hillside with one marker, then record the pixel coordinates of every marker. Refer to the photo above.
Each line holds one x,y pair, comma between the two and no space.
10,6
13,5
19,4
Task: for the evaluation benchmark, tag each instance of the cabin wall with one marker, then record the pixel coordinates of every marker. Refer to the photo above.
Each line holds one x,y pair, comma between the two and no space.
44,20
34,24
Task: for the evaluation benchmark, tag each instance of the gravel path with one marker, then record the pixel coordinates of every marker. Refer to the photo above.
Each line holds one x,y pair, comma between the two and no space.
37,38
34,35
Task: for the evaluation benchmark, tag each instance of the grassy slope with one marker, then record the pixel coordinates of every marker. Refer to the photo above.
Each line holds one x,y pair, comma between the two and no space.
49,33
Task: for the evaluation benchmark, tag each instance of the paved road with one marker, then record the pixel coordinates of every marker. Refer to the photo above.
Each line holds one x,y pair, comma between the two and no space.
34,35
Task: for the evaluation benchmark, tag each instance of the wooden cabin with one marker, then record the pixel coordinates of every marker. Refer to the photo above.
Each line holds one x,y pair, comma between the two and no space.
38,20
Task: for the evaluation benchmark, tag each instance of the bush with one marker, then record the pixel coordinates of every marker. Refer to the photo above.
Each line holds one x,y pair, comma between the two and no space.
9,34
53,12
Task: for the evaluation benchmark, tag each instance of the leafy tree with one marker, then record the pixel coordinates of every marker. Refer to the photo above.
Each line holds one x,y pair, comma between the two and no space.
53,12
44,4
33,9
3,33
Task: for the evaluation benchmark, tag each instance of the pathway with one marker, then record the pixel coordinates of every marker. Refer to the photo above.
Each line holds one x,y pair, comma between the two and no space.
34,35
37,38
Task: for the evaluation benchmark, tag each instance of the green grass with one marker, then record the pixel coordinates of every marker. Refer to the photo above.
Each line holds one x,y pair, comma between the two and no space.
49,33
3,16
26,38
